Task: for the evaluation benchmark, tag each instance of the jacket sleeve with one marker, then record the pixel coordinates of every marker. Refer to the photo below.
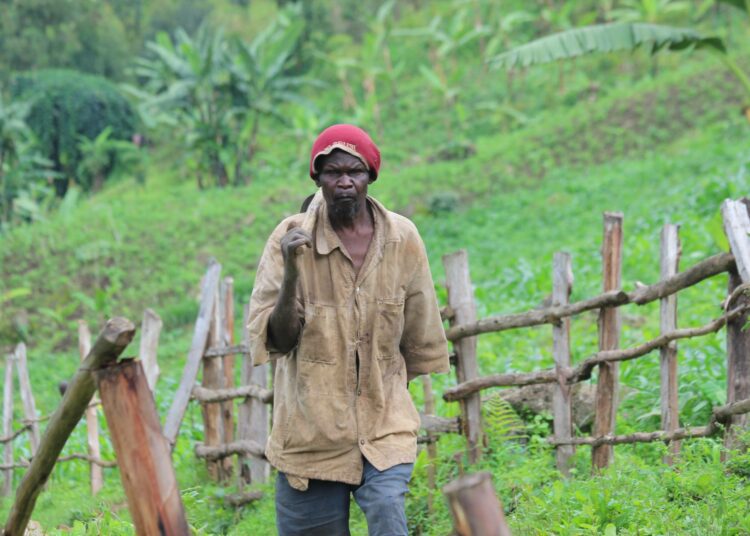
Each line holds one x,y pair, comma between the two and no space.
423,342
266,289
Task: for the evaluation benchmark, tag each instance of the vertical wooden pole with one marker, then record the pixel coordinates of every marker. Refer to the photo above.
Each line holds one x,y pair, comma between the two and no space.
213,378
670,265
738,364
181,398
475,507
27,397
461,300
609,339
92,421
227,408
736,216
562,283
253,414
8,426
429,409
143,453
150,331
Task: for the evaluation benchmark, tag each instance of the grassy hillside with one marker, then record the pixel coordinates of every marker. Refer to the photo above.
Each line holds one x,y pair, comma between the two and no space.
664,150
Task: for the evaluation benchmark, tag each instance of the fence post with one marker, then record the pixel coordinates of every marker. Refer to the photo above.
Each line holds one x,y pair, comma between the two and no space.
253,414
562,282
150,331
670,265
736,216
609,339
92,422
213,378
27,397
8,426
429,409
143,453
461,300
475,507
195,355
227,339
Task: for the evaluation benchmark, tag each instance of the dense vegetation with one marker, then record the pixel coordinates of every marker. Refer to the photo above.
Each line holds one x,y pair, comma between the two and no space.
511,166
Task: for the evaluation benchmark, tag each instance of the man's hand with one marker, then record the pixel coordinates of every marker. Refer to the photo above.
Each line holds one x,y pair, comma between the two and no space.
294,238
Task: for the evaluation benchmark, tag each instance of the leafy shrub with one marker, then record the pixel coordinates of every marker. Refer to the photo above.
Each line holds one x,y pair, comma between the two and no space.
67,105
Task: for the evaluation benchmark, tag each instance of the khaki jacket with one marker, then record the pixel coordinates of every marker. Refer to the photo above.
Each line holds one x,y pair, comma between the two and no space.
342,391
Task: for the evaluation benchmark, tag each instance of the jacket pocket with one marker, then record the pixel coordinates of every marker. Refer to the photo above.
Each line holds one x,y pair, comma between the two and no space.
320,340
388,328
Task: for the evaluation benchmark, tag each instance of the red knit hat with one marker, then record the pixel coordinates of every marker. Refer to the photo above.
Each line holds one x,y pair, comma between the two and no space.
350,139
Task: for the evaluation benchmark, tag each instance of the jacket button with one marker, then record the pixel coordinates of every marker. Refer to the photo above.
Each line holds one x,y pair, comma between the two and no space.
359,392
361,441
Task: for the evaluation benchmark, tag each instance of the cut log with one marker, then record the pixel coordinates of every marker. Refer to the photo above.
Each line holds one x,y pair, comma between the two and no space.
475,507
143,454
116,335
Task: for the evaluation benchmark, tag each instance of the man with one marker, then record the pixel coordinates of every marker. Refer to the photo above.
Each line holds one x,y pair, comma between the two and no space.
344,300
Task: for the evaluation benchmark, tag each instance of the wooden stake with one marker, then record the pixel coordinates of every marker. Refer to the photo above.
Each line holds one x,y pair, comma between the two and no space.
738,365
227,335
116,335
670,265
198,346
143,454
27,396
429,409
562,283
92,421
213,378
253,415
736,215
475,507
461,300
8,426
609,339
150,330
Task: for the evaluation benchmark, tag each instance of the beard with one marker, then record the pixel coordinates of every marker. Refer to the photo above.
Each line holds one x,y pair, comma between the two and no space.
343,210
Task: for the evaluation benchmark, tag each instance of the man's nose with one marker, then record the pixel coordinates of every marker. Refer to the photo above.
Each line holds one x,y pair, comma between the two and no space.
345,181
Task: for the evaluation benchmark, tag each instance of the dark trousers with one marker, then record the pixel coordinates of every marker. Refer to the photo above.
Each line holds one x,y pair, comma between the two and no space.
323,510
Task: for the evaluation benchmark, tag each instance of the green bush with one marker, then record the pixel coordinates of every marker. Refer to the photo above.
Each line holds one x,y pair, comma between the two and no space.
67,106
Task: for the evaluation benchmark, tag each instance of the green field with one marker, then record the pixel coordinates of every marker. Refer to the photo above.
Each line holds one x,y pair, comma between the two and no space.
512,175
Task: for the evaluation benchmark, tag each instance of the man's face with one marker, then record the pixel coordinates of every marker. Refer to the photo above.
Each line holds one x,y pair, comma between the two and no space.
343,179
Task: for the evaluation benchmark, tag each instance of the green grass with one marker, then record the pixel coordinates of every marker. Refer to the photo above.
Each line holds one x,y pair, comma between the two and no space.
524,195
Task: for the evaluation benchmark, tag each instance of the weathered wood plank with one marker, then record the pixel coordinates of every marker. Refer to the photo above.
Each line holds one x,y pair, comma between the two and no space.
96,475
116,335
27,396
669,266
738,363
143,454
148,353
8,426
461,300
227,339
253,414
609,339
475,507
213,378
562,411
200,336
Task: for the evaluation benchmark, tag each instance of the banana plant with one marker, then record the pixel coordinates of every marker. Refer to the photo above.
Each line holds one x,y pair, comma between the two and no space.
623,36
